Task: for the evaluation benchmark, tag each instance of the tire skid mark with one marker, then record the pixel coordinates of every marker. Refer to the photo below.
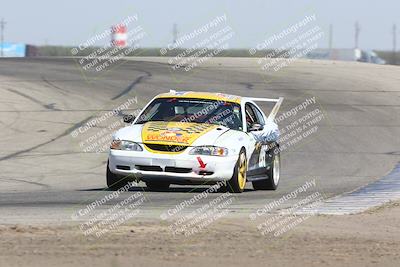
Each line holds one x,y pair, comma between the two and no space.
60,90
52,122
18,116
248,85
27,182
137,81
52,154
46,106
8,126
52,85
66,132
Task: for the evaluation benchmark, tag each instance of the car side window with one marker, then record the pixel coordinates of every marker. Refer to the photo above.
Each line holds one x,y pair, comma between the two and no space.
259,115
251,117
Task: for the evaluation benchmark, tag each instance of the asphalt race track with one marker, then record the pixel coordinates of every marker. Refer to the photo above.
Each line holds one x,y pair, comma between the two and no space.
46,175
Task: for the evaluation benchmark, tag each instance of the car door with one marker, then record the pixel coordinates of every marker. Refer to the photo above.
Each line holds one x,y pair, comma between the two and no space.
254,117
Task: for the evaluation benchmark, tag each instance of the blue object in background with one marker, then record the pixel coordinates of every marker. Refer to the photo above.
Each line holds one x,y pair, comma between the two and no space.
13,49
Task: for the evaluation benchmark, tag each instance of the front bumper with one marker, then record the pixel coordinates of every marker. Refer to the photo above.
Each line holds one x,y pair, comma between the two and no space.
175,168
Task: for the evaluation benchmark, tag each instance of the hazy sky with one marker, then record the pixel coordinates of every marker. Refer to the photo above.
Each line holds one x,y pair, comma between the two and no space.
72,22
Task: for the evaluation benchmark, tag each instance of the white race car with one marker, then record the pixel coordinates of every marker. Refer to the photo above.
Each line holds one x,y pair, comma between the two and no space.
197,138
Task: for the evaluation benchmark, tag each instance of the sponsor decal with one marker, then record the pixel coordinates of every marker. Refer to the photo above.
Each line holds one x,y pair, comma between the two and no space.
170,133
201,163
168,137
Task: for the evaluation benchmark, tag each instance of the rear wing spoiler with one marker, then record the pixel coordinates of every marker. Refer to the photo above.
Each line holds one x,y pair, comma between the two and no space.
274,110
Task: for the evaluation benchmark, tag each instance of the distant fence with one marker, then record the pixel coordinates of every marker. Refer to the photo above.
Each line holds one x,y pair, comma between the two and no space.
146,52
21,50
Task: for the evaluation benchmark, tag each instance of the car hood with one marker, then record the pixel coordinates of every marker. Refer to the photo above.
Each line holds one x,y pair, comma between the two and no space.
172,133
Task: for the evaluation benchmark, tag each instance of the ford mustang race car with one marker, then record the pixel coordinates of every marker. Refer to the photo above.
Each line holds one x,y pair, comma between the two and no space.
198,138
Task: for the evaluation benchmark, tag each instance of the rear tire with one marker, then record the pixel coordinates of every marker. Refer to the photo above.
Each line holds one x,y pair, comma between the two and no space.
273,174
157,186
114,181
238,181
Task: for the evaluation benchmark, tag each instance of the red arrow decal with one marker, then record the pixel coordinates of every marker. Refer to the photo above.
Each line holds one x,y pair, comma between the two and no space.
202,164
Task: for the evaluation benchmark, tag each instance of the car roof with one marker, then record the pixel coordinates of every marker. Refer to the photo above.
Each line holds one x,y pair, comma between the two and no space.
201,95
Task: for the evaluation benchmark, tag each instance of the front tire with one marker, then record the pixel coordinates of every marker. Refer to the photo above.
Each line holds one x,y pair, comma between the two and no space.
114,181
273,174
238,181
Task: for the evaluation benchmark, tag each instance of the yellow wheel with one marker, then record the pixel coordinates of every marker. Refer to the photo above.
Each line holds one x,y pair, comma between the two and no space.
238,181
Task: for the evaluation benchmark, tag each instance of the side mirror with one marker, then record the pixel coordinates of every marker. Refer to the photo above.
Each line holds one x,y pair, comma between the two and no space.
129,118
256,127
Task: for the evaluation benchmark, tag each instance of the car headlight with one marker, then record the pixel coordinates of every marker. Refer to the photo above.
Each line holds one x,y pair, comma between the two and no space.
209,150
125,145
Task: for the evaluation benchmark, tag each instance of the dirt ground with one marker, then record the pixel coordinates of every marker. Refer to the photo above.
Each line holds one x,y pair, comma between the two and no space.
368,239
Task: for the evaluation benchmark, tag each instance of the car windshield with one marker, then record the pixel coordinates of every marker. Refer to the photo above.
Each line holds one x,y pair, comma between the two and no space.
193,110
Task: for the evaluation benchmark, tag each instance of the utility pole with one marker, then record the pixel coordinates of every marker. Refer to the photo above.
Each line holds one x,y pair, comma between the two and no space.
356,33
2,25
394,44
330,41
174,33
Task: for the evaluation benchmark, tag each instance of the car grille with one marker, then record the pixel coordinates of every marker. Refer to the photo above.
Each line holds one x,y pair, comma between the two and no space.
166,148
123,167
170,169
155,168
178,170
149,168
